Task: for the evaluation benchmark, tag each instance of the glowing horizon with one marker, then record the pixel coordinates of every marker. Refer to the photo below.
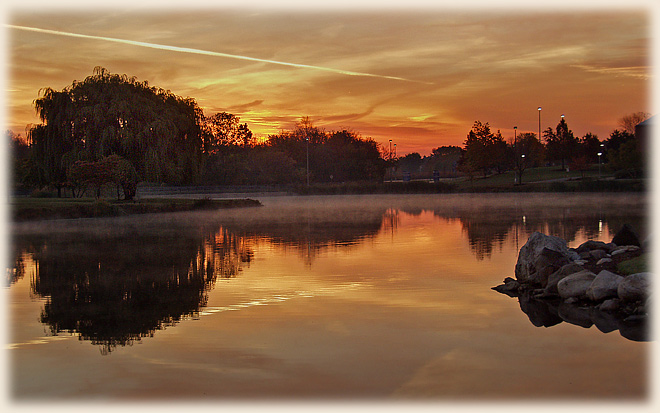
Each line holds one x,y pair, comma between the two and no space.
419,78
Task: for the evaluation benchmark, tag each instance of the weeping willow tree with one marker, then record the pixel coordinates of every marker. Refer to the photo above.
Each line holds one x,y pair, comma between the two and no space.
106,114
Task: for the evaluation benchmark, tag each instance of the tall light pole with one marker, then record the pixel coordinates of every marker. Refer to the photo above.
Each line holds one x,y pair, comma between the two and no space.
599,153
308,161
395,151
515,150
539,123
390,149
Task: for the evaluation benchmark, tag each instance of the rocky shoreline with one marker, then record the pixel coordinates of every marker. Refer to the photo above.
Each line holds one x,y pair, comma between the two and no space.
584,285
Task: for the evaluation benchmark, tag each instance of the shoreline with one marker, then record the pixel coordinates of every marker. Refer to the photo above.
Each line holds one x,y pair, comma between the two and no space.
44,209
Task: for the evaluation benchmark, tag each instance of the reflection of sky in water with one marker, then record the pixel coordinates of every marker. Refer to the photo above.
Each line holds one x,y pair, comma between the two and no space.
397,302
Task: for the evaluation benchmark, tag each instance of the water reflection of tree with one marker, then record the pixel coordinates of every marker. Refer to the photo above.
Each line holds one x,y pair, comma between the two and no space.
488,229
115,288
311,236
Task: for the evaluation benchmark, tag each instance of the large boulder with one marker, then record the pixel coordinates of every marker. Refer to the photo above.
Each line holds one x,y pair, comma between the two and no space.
626,236
604,286
555,277
635,287
541,256
592,245
575,285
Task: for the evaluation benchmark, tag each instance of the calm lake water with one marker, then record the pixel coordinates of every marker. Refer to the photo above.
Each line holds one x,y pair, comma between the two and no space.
368,297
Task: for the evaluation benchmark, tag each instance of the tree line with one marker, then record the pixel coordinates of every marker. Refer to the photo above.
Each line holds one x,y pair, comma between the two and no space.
111,129
486,152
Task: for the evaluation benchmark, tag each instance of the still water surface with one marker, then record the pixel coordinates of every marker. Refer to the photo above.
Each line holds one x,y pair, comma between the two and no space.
307,297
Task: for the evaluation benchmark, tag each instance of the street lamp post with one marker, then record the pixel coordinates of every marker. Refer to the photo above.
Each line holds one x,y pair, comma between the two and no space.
308,161
515,148
539,123
599,154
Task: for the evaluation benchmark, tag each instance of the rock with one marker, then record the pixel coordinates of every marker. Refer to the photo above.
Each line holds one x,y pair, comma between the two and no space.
603,261
604,286
555,277
635,330
540,313
619,250
603,321
626,236
541,256
598,254
575,285
591,245
575,315
609,305
635,287
509,288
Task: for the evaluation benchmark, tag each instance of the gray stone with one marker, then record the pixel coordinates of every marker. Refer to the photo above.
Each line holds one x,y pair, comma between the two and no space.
591,245
598,254
603,261
604,286
619,250
575,285
510,287
541,256
575,315
635,287
605,322
609,305
626,236
561,273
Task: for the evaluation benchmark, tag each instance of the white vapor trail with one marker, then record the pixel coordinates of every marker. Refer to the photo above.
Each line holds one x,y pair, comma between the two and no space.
203,52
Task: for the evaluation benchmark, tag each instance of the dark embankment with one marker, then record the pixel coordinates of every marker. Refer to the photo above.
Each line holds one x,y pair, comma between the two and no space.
34,209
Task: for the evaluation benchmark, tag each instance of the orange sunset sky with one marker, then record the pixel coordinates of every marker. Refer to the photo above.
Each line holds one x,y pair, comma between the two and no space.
420,75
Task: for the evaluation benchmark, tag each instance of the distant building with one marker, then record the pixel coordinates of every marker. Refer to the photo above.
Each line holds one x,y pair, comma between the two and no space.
643,132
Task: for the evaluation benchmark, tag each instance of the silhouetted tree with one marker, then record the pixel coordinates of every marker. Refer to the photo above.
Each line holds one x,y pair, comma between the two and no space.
628,122
224,129
156,131
484,150
560,144
527,151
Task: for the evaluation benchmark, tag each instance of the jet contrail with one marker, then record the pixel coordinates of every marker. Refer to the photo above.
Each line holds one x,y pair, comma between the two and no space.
204,52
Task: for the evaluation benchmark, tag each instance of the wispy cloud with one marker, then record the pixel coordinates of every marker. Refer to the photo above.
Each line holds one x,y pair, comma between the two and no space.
205,52
638,72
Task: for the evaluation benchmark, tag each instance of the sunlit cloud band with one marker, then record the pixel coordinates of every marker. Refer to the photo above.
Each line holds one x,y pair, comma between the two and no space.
205,52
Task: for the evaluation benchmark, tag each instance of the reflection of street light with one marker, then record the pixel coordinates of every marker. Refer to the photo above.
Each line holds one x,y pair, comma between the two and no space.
599,153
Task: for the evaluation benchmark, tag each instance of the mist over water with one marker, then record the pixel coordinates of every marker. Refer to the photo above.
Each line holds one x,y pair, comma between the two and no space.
360,296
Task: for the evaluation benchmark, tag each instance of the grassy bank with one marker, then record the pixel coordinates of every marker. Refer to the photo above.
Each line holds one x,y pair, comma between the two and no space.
491,184
32,209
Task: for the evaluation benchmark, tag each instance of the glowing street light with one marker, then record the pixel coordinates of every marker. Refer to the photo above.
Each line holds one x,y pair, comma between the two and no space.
539,123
